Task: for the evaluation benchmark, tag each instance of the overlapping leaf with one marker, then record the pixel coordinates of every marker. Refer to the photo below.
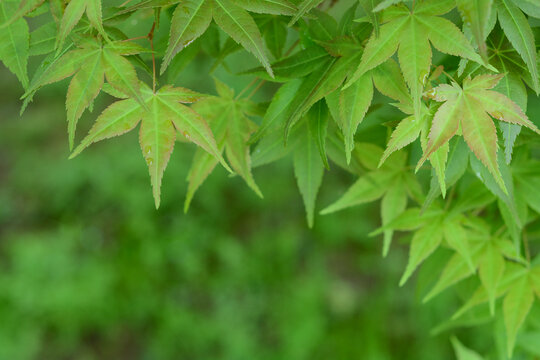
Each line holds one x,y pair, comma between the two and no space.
192,17
389,182
73,13
14,41
232,128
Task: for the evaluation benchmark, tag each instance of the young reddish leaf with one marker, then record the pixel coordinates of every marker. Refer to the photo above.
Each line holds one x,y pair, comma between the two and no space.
469,107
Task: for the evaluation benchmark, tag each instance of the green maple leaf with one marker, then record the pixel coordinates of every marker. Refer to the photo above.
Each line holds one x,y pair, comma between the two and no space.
42,39
354,101
431,229
518,285
322,75
519,33
462,352
410,32
527,182
274,31
438,225
73,13
412,127
147,4
385,4
192,17
476,14
490,272
161,120
309,156
14,41
390,182
232,128
91,62
516,306
307,144
469,108
274,7
304,7
25,7
529,7
513,271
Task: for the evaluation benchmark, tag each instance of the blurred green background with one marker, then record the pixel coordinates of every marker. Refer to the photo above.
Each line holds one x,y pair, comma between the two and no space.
90,270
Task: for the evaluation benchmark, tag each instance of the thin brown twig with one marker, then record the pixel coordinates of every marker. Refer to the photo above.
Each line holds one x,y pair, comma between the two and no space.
135,38
256,89
450,197
526,247
499,231
125,3
246,88
293,46
450,76
151,38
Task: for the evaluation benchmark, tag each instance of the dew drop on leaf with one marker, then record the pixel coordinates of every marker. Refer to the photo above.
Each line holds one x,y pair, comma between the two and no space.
497,115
